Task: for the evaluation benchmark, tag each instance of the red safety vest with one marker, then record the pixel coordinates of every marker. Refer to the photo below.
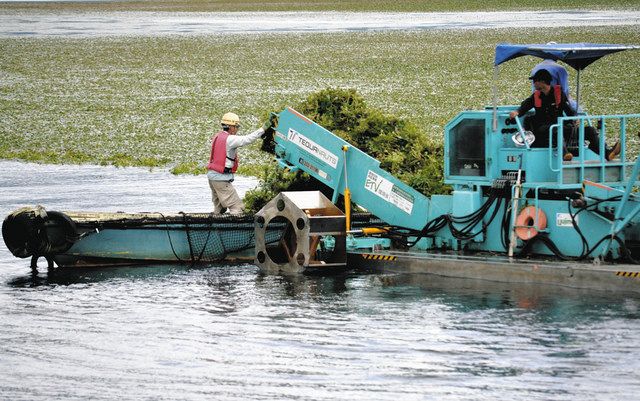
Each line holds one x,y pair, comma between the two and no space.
219,154
557,92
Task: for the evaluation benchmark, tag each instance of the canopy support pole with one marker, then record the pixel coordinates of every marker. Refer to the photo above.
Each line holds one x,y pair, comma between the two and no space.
578,92
496,71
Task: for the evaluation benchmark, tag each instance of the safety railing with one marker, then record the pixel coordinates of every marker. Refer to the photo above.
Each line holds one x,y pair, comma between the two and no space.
601,166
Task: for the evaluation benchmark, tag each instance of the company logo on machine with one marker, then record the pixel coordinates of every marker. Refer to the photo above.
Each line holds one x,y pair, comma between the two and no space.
378,185
389,192
313,148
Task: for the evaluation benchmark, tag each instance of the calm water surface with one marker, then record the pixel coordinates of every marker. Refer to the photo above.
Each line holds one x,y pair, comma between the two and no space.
226,332
91,24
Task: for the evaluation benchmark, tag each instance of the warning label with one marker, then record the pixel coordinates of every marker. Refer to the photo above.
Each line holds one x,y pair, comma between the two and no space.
314,169
389,192
564,220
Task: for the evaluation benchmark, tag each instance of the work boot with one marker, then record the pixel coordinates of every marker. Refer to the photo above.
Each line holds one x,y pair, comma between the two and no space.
567,157
613,152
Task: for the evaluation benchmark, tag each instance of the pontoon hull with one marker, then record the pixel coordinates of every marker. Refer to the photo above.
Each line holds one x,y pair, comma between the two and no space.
618,278
96,238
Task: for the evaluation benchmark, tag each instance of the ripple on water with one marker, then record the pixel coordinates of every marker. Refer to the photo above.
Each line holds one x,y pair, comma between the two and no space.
229,333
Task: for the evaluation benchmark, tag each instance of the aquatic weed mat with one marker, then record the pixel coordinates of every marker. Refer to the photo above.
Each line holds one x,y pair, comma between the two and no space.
154,101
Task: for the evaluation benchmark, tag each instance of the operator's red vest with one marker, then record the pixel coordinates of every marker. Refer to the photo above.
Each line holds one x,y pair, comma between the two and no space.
557,93
219,154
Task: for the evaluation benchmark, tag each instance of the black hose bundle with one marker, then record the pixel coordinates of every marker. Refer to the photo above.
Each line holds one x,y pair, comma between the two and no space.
587,250
470,222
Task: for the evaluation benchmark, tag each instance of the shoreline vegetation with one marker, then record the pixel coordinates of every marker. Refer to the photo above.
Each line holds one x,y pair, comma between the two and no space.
154,101
326,5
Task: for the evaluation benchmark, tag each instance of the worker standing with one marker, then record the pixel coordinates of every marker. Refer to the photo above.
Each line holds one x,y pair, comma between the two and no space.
223,162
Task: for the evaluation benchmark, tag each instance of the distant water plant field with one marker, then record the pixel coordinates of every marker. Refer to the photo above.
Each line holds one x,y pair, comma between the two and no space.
325,5
154,101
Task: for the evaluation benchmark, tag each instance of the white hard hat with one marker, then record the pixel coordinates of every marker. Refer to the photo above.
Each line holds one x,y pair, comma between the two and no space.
230,119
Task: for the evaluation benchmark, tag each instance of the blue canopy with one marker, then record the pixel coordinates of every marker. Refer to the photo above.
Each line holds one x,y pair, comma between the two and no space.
577,55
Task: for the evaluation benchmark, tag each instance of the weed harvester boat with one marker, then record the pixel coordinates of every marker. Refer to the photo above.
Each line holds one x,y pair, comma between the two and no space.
516,213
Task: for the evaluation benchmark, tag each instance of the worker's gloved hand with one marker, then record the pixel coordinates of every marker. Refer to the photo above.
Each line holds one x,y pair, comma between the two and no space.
266,126
268,144
273,119
269,126
272,123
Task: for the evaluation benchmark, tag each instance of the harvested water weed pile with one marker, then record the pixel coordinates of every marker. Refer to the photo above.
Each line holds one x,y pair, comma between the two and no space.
151,101
399,145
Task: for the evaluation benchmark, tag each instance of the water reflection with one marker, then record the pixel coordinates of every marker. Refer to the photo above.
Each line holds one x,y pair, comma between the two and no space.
69,276
315,286
551,303
77,275
388,334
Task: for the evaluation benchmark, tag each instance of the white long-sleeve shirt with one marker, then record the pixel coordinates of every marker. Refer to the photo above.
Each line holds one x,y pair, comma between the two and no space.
233,143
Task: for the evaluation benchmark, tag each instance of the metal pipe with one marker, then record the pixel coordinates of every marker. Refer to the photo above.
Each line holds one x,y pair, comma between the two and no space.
369,231
514,210
347,192
521,133
495,97
578,92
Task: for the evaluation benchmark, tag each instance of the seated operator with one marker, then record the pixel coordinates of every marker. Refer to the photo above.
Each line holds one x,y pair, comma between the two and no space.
559,76
549,103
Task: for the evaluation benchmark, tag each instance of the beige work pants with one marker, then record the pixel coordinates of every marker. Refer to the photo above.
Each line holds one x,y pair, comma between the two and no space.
224,195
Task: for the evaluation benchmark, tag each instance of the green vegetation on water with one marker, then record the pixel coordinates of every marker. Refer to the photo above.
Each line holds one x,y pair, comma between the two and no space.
154,101
325,5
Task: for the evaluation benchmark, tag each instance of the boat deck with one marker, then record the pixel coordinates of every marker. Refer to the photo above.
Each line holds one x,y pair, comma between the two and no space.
153,217
603,276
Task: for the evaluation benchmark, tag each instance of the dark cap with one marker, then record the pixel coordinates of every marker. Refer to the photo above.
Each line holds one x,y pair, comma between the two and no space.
542,76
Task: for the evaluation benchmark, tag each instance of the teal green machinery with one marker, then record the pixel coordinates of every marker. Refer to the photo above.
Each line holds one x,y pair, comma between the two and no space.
507,197
303,145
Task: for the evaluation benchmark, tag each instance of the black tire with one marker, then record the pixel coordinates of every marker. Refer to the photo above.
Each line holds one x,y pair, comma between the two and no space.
26,234
61,233
20,231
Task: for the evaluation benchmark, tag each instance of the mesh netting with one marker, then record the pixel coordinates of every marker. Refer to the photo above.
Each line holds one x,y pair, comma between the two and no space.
224,235
227,234
191,237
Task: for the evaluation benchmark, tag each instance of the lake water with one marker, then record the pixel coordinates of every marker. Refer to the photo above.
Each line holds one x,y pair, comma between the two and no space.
91,24
228,333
